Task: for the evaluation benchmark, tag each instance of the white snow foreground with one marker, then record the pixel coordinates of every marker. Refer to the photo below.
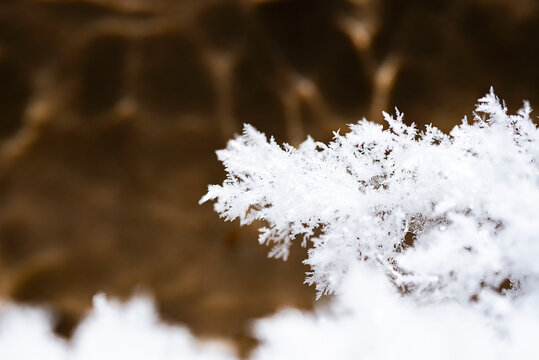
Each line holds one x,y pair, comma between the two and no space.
429,243
366,322
112,331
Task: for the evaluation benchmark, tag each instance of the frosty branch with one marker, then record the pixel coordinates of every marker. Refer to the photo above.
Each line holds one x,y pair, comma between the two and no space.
443,216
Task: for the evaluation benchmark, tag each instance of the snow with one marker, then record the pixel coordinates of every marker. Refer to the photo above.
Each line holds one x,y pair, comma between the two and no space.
111,331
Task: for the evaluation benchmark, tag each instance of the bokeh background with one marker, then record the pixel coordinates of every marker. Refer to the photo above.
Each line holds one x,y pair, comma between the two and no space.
111,110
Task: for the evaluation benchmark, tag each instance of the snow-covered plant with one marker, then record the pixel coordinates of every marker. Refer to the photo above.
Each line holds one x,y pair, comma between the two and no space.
429,241
444,217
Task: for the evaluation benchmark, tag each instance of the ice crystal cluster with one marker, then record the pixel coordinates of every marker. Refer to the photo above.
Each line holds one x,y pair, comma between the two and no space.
443,216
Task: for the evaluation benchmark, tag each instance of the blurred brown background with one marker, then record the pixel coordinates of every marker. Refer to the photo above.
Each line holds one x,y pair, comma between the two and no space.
110,112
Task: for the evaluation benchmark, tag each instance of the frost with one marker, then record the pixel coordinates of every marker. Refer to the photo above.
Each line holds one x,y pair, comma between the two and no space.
444,217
